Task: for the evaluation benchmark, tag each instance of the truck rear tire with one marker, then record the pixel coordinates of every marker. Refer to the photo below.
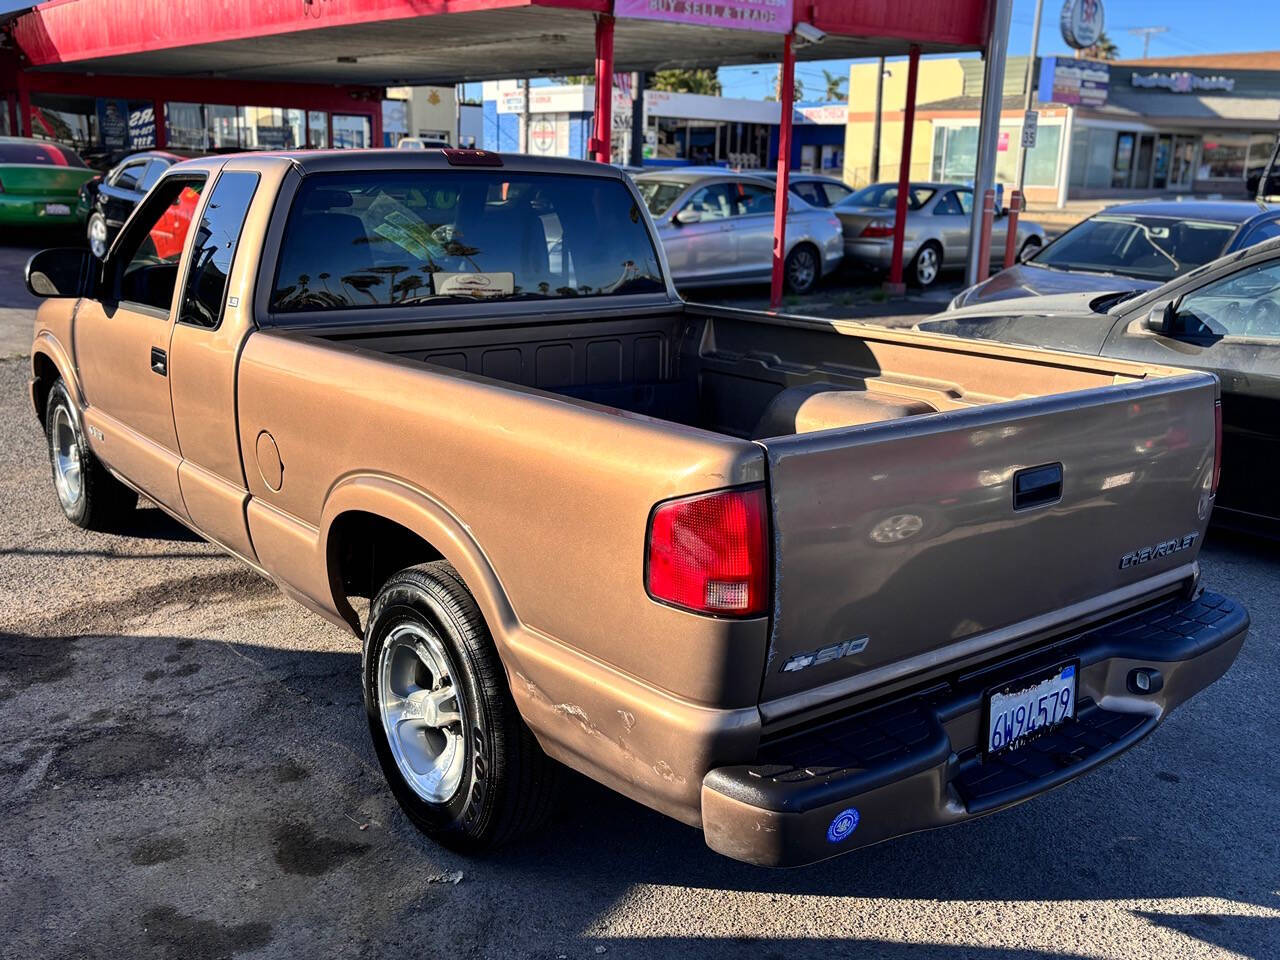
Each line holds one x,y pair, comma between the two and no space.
89,495
457,755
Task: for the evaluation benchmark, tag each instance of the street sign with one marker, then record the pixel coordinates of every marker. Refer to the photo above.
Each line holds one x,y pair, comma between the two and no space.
1030,125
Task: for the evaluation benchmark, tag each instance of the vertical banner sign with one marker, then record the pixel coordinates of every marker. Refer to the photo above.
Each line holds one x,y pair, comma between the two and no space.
767,16
142,128
113,122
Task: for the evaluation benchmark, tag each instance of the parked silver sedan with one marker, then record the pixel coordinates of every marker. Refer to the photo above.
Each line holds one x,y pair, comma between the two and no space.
717,229
937,229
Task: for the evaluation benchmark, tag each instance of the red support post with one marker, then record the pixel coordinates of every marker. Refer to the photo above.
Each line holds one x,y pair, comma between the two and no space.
602,141
786,94
375,127
895,284
984,244
162,131
12,101
1011,228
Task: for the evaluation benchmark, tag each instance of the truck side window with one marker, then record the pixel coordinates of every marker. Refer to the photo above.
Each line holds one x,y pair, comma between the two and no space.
146,266
1246,304
215,248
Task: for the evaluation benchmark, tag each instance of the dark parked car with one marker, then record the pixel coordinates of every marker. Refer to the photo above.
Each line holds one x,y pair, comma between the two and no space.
111,198
1223,317
1132,246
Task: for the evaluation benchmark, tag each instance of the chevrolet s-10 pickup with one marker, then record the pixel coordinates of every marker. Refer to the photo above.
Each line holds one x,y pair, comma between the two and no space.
807,585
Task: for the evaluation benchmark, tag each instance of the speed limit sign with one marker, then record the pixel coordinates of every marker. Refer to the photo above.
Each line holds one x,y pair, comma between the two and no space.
1030,124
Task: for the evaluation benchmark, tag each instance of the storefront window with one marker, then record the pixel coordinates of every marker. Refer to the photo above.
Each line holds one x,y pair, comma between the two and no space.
1223,156
185,125
961,160
351,131
1042,161
318,129
224,125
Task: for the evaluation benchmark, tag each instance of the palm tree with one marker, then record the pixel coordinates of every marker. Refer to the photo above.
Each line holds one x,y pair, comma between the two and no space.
797,89
835,85
1104,49
687,81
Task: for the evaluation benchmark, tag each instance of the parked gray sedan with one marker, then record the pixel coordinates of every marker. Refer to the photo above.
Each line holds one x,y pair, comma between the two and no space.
717,229
937,229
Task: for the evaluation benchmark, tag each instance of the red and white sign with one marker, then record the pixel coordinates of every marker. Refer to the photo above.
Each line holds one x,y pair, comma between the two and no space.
768,16
1003,144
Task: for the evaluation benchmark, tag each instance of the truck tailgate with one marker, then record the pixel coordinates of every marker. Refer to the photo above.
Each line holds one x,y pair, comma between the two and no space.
898,546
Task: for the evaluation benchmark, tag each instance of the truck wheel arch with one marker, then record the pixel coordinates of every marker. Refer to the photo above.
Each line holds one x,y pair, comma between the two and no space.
49,362
364,505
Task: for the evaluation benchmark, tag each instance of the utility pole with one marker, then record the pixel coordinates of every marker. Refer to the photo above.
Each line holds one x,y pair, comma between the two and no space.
875,134
1146,33
639,81
524,117
1026,100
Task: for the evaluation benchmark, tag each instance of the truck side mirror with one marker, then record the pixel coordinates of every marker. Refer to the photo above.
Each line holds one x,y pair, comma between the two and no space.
61,272
1162,318
686,216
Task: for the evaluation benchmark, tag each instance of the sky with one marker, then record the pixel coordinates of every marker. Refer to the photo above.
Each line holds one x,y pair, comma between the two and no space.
1195,26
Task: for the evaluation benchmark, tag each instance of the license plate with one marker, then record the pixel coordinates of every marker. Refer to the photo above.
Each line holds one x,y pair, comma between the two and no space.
1023,710
57,209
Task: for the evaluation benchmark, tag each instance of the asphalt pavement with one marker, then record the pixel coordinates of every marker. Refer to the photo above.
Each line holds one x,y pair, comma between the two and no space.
185,772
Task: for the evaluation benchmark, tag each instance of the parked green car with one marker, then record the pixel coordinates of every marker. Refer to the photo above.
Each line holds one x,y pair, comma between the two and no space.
40,183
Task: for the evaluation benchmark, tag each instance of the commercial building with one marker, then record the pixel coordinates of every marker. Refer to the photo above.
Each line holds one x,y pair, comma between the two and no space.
683,128
1195,124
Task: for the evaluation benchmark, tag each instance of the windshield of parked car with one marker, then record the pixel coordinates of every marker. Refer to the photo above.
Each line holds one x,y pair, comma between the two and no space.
659,195
399,238
36,153
886,195
1157,248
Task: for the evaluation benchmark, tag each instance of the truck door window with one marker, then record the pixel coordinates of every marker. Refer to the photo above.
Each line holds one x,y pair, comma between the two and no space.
407,238
145,267
215,248
1246,304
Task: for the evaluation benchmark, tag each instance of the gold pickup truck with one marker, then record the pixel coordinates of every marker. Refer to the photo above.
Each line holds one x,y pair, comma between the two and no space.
807,585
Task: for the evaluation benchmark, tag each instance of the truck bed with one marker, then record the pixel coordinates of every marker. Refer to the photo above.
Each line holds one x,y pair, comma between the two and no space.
903,541
741,374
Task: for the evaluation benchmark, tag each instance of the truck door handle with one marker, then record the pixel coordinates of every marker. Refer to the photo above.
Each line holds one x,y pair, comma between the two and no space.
159,362
1037,486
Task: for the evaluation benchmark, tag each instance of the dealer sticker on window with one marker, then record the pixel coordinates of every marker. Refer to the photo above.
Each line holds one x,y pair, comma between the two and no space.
474,284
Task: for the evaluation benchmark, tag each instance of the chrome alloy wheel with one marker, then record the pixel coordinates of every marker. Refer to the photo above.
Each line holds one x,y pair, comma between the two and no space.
67,465
927,266
802,269
422,711
98,237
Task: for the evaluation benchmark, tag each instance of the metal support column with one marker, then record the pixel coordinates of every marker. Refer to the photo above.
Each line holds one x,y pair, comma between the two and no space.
786,96
639,81
602,142
988,125
162,132
895,284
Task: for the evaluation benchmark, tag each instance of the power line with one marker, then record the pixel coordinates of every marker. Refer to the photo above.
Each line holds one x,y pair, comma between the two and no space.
1146,33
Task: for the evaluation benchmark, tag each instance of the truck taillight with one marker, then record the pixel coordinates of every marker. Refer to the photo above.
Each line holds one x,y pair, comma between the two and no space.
708,553
1217,445
878,228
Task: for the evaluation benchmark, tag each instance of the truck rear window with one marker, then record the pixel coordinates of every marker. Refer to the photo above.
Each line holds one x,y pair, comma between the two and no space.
400,238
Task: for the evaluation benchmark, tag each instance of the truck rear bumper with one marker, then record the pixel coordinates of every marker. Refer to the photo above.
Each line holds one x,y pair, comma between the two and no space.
918,762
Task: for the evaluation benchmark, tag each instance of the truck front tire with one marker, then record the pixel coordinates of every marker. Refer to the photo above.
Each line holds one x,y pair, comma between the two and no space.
458,758
89,495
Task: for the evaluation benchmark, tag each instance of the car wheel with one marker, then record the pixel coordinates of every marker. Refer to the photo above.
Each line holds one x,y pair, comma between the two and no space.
458,758
925,265
1029,248
89,495
801,269
98,239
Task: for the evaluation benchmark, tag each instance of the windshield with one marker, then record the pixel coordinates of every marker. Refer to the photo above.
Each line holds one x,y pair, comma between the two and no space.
1157,248
33,152
886,195
659,195
398,238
